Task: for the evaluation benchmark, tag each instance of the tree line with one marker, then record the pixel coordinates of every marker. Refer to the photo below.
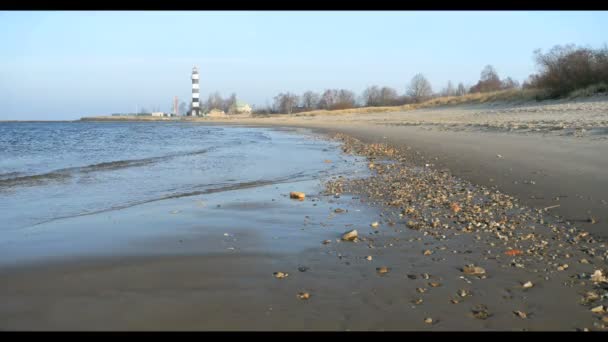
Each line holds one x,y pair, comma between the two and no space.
418,90
562,70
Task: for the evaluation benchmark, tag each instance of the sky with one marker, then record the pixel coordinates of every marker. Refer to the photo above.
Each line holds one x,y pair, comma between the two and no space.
64,65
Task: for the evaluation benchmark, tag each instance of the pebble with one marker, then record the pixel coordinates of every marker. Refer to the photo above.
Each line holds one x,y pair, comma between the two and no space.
527,285
350,235
521,314
339,210
420,290
427,252
428,320
303,295
473,270
481,312
375,224
325,242
297,195
303,268
598,309
280,275
369,258
598,277
382,270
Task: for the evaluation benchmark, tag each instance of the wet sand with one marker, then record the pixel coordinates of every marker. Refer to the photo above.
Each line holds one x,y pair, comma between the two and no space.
236,290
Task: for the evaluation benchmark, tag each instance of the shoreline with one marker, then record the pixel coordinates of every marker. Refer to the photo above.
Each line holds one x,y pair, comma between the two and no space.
222,291
216,292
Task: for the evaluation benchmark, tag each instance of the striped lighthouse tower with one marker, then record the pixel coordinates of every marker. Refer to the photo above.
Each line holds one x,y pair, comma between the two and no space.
196,109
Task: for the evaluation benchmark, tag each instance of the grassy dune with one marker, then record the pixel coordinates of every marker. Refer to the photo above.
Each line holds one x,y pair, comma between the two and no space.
510,95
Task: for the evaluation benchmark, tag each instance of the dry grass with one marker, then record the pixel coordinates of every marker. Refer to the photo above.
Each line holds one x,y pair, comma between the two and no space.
510,95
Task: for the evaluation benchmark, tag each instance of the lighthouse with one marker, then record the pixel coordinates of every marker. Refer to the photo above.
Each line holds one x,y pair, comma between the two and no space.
195,107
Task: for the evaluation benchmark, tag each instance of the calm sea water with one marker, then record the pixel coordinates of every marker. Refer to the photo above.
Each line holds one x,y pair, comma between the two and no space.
54,171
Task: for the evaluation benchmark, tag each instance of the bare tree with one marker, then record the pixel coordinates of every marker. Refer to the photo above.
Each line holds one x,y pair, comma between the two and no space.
229,104
345,99
285,102
448,90
489,81
461,89
328,99
388,96
215,101
310,100
419,88
372,96
509,83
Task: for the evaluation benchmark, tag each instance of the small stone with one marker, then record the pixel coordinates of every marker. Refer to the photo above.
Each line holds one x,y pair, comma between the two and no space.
375,224
454,301
412,276
382,270
584,261
417,301
303,295
428,320
527,285
420,290
473,270
481,312
463,293
520,314
455,207
325,242
303,268
592,220
605,319
350,235
339,210
498,156
598,309
280,275
297,195
591,296
425,276
428,252
369,258
598,277
434,284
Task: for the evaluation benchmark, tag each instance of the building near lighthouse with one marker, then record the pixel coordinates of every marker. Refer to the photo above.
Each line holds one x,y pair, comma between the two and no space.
195,105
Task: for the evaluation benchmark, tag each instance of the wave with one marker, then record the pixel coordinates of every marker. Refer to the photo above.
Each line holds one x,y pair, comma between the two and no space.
18,179
221,187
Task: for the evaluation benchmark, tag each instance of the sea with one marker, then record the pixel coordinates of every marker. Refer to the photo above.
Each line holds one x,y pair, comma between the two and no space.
90,188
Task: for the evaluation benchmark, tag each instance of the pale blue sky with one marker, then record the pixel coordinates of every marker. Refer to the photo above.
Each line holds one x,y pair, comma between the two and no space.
64,65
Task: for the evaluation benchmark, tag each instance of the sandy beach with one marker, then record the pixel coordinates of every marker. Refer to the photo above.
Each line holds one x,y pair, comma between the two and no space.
471,218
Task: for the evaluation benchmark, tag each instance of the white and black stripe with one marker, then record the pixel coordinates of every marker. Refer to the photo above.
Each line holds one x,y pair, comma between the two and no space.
195,94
